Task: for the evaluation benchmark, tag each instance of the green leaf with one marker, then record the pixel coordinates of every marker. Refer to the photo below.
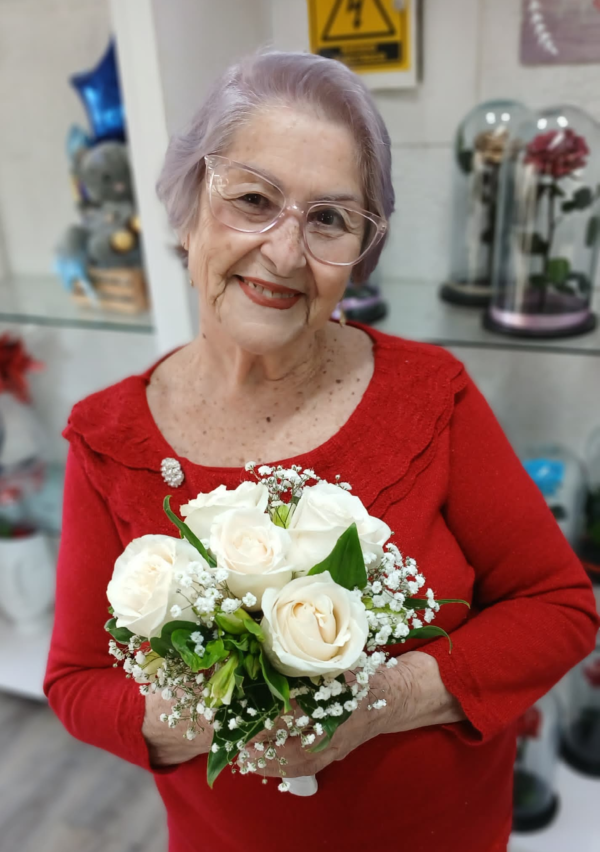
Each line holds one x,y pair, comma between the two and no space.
464,159
277,683
538,281
171,626
164,643
214,653
582,199
268,708
537,245
251,665
111,610
345,563
250,624
427,632
230,623
420,603
219,760
239,643
558,270
579,282
119,634
162,646
592,231
280,515
186,532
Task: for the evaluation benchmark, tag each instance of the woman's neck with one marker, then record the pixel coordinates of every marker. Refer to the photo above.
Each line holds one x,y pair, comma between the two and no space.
225,369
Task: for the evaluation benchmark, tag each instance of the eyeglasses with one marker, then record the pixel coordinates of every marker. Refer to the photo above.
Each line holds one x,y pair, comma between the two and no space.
247,201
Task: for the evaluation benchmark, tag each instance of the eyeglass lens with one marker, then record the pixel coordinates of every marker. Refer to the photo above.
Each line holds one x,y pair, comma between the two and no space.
247,202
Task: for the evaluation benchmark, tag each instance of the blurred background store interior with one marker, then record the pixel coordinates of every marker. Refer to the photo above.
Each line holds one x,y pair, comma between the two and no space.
544,391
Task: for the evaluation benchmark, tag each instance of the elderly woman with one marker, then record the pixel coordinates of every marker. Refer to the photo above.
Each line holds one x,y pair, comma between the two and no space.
279,189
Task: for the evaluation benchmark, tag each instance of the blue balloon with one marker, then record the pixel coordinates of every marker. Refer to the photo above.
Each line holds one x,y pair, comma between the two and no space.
101,95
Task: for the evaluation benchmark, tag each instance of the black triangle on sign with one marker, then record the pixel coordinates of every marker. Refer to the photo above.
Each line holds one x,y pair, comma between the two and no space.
355,6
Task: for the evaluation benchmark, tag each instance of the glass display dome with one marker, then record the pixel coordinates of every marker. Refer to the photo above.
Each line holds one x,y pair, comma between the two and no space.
479,147
589,548
535,801
548,227
581,736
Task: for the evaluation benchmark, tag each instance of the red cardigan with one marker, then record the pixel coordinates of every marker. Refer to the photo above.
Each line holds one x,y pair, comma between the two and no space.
425,453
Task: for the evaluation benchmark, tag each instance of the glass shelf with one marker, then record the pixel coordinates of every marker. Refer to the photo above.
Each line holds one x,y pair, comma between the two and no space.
42,300
417,313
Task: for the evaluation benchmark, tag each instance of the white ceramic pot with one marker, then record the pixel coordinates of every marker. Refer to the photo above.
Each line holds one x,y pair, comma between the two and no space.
27,581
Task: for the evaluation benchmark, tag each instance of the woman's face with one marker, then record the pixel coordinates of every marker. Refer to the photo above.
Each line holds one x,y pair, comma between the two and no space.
309,159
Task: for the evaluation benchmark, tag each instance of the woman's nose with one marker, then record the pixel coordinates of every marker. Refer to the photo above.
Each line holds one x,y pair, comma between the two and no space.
283,245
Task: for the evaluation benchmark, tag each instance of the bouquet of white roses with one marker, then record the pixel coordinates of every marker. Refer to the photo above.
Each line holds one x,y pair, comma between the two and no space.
276,591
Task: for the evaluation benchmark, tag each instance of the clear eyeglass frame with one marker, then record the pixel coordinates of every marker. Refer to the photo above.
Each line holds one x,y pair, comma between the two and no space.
216,162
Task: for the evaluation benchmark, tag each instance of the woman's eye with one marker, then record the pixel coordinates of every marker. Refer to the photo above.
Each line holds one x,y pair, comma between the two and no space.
254,199
330,218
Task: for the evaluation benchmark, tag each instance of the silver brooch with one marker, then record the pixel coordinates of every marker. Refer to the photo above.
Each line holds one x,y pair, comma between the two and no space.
172,472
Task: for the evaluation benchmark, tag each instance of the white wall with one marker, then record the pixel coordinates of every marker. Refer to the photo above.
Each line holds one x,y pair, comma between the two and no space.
43,42
196,40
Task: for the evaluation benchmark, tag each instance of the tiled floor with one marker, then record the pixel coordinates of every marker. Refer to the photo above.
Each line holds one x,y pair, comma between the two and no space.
60,795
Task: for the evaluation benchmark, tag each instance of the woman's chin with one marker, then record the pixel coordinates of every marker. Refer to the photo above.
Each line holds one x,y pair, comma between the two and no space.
263,337
259,329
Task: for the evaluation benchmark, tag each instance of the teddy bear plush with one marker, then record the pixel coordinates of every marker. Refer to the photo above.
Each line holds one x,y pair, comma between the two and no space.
109,234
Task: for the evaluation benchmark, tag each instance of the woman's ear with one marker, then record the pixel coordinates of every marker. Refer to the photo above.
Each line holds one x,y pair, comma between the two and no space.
185,242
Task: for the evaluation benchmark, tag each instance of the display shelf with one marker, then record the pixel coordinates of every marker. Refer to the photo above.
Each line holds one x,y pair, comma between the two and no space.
416,312
23,659
577,825
42,300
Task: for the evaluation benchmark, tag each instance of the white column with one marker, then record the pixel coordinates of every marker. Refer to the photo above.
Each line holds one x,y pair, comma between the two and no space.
142,89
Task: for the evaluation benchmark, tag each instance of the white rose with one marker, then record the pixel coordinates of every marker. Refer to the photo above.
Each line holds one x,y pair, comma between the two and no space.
313,627
143,587
254,551
323,513
200,513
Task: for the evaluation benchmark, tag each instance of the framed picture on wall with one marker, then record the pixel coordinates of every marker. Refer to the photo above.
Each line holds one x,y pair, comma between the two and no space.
559,32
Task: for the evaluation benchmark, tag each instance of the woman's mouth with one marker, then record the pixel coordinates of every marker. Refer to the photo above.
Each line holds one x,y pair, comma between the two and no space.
267,294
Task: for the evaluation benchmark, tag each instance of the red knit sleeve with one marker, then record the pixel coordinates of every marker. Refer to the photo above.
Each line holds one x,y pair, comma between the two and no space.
536,615
94,701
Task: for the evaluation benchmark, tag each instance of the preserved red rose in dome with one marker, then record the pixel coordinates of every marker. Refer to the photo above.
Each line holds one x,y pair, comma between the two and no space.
548,227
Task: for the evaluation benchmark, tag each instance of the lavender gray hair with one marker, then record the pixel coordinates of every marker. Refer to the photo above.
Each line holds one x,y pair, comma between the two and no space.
324,85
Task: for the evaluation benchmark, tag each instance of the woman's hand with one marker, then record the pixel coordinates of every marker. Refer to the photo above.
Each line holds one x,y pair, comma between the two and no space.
415,697
167,746
393,685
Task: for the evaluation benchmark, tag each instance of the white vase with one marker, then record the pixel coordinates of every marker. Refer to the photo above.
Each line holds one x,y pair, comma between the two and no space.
27,581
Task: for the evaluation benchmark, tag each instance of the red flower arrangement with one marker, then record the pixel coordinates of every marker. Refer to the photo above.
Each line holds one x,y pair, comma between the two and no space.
557,153
592,673
15,361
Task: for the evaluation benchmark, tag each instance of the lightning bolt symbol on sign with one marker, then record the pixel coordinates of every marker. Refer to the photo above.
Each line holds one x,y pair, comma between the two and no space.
356,7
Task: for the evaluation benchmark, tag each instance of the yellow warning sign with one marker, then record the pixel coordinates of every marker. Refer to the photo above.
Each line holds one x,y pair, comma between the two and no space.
367,35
